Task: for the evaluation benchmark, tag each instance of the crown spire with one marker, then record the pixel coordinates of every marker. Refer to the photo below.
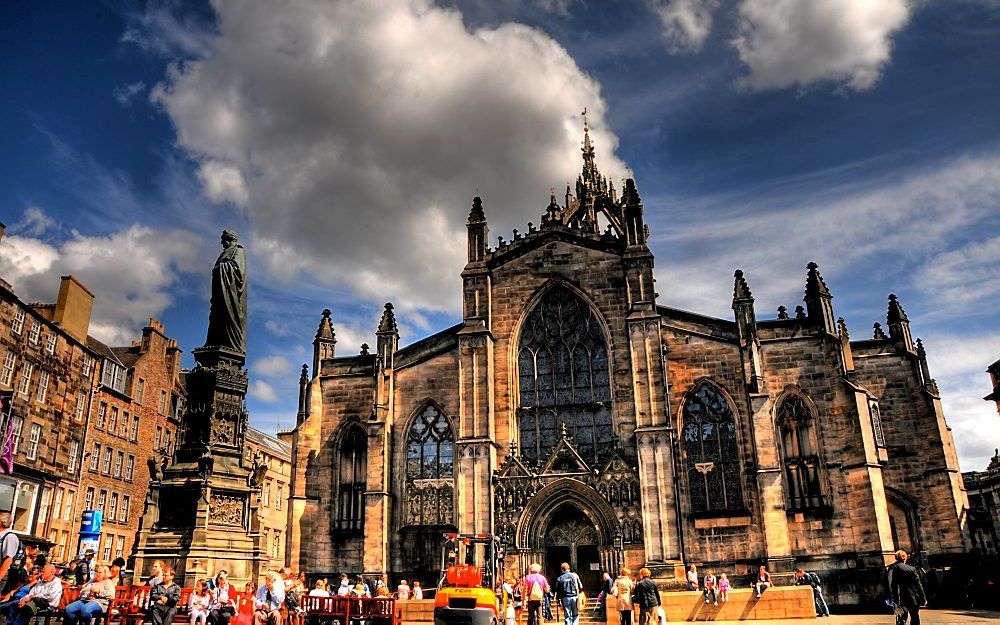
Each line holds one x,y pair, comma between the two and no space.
819,301
387,325
740,288
477,214
325,330
899,323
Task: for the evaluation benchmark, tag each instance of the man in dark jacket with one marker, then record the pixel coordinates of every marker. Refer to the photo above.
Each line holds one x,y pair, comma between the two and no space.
163,599
811,579
906,591
647,596
85,568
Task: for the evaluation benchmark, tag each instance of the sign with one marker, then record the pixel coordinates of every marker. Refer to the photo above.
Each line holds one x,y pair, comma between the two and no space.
595,566
91,522
89,542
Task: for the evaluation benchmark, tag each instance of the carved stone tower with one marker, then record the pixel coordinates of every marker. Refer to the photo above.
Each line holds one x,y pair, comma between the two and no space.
201,511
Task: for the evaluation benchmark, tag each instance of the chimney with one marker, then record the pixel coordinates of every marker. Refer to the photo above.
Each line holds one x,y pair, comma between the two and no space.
73,308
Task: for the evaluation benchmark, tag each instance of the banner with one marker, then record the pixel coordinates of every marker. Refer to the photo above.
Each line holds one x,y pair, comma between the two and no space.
7,451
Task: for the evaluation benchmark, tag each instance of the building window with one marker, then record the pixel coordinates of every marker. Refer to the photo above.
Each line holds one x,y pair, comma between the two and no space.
430,444
129,466
114,376
95,457
25,379
133,434
113,420
35,335
123,425
276,545
158,441
88,499
113,508
50,345
88,364
563,378
877,423
102,413
106,461
119,463
279,496
711,452
23,501
68,509
102,500
800,449
140,388
57,508
123,513
163,402
46,505
352,473
17,325
7,375
119,546
81,406
33,438
266,494
18,428
74,451
107,547
168,442
43,386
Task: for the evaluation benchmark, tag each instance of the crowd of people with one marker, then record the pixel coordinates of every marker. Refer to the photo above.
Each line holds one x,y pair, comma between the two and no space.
716,589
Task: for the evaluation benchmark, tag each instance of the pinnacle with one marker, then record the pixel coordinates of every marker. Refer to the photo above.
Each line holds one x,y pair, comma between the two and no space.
896,313
740,288
477,214
388,323
325,330
815,285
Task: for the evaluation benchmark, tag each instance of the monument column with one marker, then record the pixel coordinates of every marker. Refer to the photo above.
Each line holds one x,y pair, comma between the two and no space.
201,511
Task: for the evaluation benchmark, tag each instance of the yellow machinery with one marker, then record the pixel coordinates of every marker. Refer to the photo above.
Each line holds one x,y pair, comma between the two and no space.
467,594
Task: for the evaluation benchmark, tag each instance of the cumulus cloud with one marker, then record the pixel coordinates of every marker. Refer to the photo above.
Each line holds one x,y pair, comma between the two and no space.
965,275
788,43
130,272
124,94
34,222
273,366
686,23
356,134
262,391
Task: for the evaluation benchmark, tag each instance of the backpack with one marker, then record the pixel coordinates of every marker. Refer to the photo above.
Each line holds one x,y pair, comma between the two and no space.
291,600
813,580
566,585
16,574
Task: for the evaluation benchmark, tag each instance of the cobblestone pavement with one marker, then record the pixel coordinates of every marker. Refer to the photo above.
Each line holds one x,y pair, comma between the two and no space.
927,617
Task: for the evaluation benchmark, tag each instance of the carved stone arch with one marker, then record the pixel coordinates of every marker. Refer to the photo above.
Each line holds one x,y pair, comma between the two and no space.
418,407
904,521
798,446
548,500
350,453
712,469
537,296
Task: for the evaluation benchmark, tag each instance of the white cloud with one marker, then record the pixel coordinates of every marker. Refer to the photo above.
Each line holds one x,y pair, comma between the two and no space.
273,366
788,43
124,94
686,23
223,183
262,391
965,275
33,223
130,272
360,132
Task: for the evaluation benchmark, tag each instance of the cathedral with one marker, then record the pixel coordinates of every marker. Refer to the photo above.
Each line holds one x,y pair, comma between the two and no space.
577,416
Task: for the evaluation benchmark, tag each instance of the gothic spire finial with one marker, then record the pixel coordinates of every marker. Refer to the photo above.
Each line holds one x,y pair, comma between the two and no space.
815,285
782,312
563,430
364,349
304,377
388,323
896,313
740,288
842,328
477,215
325,330
878,334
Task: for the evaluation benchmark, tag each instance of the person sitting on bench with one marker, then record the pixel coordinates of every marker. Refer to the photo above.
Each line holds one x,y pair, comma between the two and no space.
163,599
94,598
44,595
270,598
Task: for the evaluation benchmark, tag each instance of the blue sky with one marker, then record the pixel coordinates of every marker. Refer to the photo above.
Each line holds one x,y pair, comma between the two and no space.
344,141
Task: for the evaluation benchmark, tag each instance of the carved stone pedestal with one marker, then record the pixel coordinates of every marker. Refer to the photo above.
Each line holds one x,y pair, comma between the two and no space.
201,512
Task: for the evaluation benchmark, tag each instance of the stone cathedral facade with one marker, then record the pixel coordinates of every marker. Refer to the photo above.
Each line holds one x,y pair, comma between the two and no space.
579,417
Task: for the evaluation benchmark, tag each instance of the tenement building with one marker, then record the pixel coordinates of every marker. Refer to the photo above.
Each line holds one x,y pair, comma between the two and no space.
272,514
984,493
580,418
134,422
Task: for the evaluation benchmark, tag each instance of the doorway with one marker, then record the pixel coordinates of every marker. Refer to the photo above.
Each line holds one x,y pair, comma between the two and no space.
572,538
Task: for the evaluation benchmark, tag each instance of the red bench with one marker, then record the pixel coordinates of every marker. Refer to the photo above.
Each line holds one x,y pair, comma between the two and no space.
326,610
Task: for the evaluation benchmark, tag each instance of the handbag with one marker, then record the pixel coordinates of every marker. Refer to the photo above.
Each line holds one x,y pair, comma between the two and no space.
581,601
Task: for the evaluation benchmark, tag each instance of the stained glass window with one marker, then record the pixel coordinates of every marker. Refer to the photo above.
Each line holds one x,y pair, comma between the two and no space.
352,475
711,452
563,378
800,449
430,445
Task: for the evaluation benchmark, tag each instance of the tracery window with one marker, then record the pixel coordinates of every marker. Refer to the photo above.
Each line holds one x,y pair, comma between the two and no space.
351,478
800,450
711,452
563,378
430,446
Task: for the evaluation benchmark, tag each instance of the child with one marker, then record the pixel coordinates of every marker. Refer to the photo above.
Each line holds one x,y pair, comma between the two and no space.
418,592
320,590
403,591
709,581
723,588
201,598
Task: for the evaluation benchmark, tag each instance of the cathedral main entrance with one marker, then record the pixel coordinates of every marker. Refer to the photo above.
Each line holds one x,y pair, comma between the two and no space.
572,538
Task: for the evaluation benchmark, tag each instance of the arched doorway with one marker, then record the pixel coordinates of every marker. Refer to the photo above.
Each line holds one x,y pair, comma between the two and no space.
903,521
572,538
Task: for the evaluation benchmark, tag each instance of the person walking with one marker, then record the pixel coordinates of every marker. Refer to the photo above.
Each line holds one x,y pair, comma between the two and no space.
568,587
906,590
270,597
223,605
537,587
94,598
763,580
803,578
163,598
622,589
647,597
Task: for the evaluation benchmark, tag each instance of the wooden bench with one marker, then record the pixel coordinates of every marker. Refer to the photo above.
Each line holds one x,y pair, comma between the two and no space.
347,610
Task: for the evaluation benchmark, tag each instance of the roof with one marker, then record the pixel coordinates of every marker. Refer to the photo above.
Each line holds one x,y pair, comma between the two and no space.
269,443
102,350
128,356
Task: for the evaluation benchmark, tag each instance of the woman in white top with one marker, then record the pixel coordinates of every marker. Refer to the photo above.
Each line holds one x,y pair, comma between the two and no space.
692,577
320,589
198,605
418,592
403,591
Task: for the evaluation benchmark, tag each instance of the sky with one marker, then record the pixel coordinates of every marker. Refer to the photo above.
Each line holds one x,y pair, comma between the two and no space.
345,141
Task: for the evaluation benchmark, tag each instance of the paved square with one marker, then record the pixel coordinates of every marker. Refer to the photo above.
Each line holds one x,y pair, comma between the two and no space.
927,617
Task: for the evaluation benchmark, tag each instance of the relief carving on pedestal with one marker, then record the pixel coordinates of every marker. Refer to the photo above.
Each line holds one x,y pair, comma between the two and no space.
226,510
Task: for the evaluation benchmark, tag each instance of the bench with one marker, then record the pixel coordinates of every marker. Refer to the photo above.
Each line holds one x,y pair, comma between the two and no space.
347,610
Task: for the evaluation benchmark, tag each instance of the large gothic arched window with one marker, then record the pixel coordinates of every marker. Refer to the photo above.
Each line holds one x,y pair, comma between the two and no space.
352,474
562,362
711,452
800,450
430,444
